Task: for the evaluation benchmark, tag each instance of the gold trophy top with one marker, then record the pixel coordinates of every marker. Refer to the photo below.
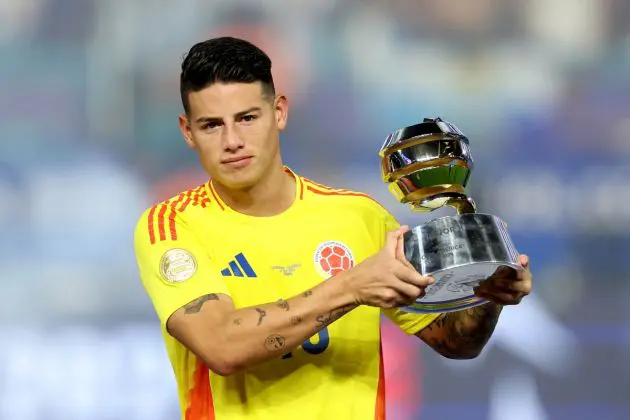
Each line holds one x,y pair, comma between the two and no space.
428,165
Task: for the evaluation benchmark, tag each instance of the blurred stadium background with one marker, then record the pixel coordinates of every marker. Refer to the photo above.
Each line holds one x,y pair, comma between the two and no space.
88,106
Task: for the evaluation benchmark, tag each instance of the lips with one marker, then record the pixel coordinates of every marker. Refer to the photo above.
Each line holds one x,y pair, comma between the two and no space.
235,162
235,159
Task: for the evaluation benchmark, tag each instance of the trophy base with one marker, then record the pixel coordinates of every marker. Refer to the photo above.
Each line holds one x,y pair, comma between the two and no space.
459,252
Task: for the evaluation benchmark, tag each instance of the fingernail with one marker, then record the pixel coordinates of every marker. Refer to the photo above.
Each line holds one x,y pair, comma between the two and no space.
431,280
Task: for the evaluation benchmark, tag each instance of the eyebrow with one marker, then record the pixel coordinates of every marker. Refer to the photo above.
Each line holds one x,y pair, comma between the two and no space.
236,116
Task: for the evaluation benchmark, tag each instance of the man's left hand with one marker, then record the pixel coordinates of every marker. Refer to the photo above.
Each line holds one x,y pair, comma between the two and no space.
507,286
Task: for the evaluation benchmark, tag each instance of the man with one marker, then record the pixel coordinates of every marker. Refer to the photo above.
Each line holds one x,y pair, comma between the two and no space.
269,287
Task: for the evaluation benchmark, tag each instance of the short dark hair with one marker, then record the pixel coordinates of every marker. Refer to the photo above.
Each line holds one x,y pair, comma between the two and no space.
224,60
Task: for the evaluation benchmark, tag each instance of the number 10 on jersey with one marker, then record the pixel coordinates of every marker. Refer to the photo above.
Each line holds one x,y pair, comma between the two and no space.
319,346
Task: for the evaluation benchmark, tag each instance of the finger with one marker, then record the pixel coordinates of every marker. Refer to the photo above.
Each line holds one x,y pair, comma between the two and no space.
509,285
400,249
410,275
407,292
504,271
391,240
491,287
407,264
400,253
518,280
409,301
524,261
500,298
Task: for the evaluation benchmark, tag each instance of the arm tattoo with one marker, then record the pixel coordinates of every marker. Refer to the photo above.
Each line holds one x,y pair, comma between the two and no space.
335,314
307,293
295,320
261,315
274,342
238,321
283,304
195,306
462,334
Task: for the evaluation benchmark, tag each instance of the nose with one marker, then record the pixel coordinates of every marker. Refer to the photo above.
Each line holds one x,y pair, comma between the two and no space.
231,139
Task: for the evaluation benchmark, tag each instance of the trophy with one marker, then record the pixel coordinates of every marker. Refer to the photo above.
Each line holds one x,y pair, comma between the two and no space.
427,166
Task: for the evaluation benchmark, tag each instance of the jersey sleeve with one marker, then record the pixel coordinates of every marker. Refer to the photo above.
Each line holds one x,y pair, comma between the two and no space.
410,323
174,266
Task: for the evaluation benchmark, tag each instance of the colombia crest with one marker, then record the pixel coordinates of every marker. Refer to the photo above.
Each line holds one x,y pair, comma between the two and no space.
332,258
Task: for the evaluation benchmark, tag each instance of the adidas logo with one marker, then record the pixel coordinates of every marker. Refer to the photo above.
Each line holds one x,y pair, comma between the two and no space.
239,267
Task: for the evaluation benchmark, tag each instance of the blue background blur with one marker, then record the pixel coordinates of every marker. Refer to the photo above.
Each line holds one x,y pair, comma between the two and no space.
88,126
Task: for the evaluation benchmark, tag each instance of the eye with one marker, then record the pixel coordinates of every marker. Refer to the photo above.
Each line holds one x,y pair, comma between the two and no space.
249,118
210,125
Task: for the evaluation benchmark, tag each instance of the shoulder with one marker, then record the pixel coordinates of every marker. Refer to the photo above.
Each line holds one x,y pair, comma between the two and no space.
344,198
160,221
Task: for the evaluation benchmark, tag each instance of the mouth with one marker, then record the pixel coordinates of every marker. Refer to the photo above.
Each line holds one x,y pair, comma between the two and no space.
237,162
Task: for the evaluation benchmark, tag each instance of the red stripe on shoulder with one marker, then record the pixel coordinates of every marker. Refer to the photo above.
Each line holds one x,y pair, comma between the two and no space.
172,227
167,213
195,196
151,227
186,201
161,220
200,402
203,198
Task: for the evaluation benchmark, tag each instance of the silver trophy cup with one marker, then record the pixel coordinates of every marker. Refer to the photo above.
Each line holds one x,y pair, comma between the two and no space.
428,166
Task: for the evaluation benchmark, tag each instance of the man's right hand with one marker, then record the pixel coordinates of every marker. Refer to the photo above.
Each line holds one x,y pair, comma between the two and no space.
387,279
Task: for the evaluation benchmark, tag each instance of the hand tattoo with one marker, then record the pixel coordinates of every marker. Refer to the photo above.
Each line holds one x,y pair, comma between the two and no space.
295,320
238,321
195,306
261,315
283,304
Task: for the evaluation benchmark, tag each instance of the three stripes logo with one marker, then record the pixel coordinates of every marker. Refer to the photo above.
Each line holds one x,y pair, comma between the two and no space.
239,267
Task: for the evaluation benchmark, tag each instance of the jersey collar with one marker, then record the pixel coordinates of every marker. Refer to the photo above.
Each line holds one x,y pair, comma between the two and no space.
299,196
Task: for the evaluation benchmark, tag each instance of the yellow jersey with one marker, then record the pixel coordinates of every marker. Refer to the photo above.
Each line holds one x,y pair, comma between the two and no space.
194,244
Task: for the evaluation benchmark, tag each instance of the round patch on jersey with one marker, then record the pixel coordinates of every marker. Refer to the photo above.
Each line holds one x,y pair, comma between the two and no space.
332,258
177,265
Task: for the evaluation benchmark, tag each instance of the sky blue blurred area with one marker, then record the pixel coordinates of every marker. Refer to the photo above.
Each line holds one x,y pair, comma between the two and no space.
89,99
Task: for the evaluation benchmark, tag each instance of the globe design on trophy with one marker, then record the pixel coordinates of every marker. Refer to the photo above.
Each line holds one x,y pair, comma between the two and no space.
427,166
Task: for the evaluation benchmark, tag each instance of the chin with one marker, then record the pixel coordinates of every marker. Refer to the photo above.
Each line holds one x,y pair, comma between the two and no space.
238,180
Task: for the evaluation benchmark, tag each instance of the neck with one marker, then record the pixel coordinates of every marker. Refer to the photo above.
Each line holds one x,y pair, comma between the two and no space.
272,195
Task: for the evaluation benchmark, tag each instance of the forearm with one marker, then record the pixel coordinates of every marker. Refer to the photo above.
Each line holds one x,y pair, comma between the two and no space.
462,334
252,335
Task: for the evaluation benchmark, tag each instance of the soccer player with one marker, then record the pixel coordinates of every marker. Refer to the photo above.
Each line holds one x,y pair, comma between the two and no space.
269,286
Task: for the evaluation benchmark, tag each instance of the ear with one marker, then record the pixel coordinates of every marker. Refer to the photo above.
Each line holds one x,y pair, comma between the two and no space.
184,127
281,107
